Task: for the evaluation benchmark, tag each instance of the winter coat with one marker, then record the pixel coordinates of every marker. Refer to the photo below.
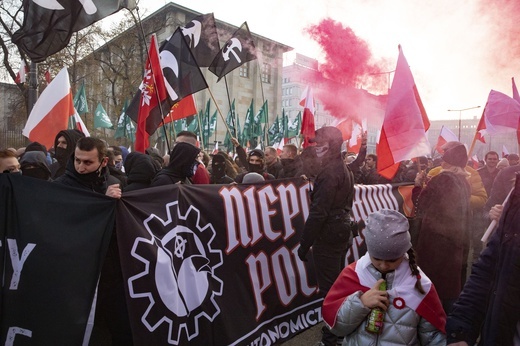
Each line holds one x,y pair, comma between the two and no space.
291,168
140,171
181,167
96,182
489,305
478,191
443,205
331,202
62,156
404,320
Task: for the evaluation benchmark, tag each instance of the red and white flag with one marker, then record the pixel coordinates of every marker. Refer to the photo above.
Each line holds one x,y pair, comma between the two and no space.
501,115
20,76
48,77
505,152
215,150
445,136
80,125
51,112
474,161
153,91
308,128
403,135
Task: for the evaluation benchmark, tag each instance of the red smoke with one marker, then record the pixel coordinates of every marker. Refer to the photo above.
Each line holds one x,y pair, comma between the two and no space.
502,16
348,67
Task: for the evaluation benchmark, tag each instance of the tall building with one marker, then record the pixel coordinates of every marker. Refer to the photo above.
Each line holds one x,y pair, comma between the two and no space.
258,80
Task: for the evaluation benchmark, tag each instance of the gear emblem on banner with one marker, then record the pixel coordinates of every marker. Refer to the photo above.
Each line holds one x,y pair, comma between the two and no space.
179,278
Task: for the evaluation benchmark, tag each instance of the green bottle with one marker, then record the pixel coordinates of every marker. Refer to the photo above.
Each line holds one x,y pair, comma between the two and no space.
376,317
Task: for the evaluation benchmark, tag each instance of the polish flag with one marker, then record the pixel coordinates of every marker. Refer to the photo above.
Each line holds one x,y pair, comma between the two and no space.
403,134
279,146
215,150
474,161
80,125
51,112
354,143
20,76
505,152
308,128
501,115
445,136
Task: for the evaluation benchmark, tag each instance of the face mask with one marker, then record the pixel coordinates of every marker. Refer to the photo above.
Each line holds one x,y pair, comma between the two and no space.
119,165
256,168
61,155
218,169
322,150
193,169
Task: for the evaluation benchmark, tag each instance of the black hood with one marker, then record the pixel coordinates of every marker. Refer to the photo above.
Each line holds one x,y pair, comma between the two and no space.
182,159
139,167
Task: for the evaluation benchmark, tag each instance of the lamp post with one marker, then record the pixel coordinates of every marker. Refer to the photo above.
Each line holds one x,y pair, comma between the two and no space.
460,115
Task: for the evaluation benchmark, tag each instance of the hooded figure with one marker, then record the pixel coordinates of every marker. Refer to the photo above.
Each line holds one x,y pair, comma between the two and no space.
328,227
218,170
182,166
34,164
140,171
61,153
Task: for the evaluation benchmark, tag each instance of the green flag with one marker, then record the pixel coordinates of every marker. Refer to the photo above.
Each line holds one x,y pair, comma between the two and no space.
125,127
101,118
209,124
284,125
259,119
248,125
192,123
230,123
80,100
293,128
274,131
179,125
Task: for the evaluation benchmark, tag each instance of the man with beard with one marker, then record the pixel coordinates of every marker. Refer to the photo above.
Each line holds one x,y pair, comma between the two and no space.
64,145
328,226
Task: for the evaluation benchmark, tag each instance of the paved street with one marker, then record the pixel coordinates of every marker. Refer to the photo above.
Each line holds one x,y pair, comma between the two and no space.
310,337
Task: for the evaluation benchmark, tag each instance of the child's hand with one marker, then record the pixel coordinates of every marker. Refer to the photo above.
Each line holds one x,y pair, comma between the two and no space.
374,298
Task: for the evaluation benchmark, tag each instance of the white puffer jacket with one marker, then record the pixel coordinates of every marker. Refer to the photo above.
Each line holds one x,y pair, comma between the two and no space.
401,326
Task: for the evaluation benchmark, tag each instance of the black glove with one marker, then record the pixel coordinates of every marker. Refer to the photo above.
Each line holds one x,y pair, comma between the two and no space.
302,253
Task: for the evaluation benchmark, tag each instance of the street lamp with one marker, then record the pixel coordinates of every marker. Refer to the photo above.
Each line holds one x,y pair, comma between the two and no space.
460,115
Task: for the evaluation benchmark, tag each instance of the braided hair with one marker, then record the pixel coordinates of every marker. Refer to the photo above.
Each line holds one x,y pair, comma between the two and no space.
415,270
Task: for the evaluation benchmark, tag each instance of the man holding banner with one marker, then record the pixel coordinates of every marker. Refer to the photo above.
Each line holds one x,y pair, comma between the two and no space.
327,229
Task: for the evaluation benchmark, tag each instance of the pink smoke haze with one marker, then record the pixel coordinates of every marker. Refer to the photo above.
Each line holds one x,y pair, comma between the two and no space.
348,66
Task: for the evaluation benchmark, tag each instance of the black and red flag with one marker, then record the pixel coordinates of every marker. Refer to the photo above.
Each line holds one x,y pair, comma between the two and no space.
182,77
238,50
202,38
48,25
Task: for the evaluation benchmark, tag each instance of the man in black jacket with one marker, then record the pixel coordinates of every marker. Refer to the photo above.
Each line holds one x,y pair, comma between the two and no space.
327,228
87,170
64,145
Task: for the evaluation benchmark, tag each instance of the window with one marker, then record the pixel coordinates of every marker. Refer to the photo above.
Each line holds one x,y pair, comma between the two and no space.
244,70
266,73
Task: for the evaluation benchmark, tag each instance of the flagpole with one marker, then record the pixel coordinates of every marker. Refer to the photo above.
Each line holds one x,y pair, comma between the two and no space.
153,76
231,109
201,131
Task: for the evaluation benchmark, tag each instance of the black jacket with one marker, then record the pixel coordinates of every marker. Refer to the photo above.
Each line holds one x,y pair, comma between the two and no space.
140,171
489,305
331,198
96,182
62,156
181,167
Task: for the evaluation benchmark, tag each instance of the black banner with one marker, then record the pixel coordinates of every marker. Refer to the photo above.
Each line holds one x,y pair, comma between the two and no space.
217,265
54,239
204,264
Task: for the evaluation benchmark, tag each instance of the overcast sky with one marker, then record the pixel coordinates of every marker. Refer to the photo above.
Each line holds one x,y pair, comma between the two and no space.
457,50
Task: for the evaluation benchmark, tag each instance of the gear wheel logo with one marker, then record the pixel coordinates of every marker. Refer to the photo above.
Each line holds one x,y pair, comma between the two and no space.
180,263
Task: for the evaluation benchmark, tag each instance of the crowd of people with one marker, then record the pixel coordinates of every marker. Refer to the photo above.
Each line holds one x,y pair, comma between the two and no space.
426,271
